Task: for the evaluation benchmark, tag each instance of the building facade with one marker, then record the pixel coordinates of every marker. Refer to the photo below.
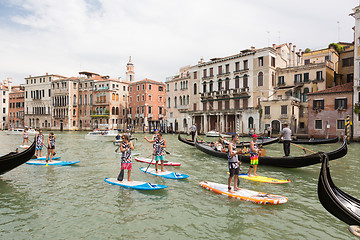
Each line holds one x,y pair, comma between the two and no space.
356,99
38,102
16,107
147,105
5,89
328,110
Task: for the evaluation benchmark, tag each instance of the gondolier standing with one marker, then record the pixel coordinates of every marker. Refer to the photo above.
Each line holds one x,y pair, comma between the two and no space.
286,135
193,131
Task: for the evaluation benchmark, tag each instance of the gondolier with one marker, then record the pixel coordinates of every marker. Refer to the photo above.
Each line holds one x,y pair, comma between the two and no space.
286,135
193,131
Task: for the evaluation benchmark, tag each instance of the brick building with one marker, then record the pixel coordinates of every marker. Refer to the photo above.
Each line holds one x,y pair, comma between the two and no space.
328,110
16,107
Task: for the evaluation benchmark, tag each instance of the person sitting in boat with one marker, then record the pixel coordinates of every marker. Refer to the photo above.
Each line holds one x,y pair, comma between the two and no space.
254,155
40,142
128,133
25,137
218,145
118,137
125,147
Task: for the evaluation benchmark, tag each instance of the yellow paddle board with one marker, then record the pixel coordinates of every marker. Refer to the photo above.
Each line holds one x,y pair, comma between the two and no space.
263,179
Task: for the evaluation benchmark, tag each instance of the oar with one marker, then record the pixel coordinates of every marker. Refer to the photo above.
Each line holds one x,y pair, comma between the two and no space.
166,152
305,149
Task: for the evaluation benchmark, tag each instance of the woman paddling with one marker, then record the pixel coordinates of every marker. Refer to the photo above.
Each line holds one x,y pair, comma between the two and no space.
25,137
40,142
125,147
160,144
51,147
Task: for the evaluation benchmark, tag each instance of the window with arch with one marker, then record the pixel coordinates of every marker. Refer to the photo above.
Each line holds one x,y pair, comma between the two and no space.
187,100
227,84
117,97
175,102
211,84
251,123
74,99
113,110
204,87
195,88
85,99
169,105
237,82
260,79
90,99
74,112
117,111
113,96
180,101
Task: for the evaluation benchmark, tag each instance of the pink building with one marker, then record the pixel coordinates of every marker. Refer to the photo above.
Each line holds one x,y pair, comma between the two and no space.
146,105
328,110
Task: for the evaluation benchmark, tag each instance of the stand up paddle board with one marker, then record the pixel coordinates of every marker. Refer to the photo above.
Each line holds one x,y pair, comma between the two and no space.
57,163
166,174
244,194
263,179
44,158
24,146
148,160
135,184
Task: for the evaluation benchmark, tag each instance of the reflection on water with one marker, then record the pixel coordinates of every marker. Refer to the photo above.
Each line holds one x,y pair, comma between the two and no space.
75,203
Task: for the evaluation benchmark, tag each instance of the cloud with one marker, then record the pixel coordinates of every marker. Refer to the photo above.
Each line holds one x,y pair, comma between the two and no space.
68,36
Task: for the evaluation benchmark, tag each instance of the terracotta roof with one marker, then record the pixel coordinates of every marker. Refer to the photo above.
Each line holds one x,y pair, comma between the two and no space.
347,87
148,80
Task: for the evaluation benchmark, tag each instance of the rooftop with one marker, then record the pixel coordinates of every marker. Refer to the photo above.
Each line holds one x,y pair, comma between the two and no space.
347,87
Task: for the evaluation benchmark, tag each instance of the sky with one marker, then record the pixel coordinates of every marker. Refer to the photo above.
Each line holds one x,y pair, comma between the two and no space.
161,36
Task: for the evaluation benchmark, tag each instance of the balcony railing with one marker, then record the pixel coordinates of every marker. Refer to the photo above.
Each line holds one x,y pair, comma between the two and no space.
129,115
241,70
150,115
284,116
161,115
183,107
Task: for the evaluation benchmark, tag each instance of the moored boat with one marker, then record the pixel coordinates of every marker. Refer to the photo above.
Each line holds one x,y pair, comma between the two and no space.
287,162
102,134
314,141
335,201
13,159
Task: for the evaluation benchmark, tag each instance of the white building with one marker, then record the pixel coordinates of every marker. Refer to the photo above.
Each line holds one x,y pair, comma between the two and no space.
356,103
38,107
5,89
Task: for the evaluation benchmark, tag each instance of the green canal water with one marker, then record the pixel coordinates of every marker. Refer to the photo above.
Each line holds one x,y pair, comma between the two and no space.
38,202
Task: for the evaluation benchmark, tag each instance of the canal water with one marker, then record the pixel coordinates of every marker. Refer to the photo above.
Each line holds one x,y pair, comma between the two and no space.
74,202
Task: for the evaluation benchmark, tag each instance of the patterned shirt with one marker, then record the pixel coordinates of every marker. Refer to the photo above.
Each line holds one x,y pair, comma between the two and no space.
126,155
159,151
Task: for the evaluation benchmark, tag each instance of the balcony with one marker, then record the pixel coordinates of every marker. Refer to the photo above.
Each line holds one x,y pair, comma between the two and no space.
100,116
129,115
150,115
241,70
102,88
267,116
207,77
284,116
161,116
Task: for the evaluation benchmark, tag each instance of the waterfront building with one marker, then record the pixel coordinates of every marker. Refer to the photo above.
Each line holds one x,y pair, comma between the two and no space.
288,102
328,110
346,64
5,88
146,105
178,91
356,98
16,107
38,105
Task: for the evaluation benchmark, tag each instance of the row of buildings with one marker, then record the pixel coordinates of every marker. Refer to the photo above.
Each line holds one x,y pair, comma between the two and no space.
86,102
314,91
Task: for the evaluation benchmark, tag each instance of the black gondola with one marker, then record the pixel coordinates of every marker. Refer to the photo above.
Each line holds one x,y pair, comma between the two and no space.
287,162
241,144
335,201
13,159
314,141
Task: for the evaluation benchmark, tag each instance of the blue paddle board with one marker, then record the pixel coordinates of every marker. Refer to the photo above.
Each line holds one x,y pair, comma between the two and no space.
135,184
56,163
44,158
166,174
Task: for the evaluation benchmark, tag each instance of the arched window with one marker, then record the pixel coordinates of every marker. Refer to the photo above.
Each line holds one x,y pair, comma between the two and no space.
180,101
80,100
237,82
175,101
90,99
113,96
245,81
251,123
97,111
219,85
204,87
85,99
169,105
187,100
211,86
306,91
74,112
117,97
74,99
260,79
113,111
117,111
195,88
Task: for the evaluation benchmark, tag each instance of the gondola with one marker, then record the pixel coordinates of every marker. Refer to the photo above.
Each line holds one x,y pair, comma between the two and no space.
314,141
241,144
13,159
338,203
286,162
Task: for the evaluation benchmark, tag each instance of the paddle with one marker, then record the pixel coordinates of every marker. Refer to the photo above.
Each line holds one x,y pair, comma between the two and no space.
242,146
153,155
305,149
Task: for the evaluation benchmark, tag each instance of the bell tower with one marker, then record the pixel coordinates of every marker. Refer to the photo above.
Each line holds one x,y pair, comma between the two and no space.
130,71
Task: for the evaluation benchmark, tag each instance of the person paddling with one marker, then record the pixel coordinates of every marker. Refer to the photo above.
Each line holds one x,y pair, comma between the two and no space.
25,137
234,163
160,144
51,147
40,142
125,147
254,155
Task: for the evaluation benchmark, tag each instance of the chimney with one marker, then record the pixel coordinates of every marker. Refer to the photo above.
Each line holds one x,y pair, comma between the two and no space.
252,48
47,74
290,45
274,46
294,48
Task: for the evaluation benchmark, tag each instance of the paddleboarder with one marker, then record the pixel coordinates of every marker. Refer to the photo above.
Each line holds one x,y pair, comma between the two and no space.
234,163
254,155
40,142
125,147
25,137
160,144
51,147
286,135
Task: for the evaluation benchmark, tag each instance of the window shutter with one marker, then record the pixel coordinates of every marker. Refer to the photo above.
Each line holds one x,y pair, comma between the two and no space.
336,104
345,103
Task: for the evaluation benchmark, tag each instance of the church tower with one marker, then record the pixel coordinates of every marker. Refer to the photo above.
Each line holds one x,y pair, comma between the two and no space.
130,71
